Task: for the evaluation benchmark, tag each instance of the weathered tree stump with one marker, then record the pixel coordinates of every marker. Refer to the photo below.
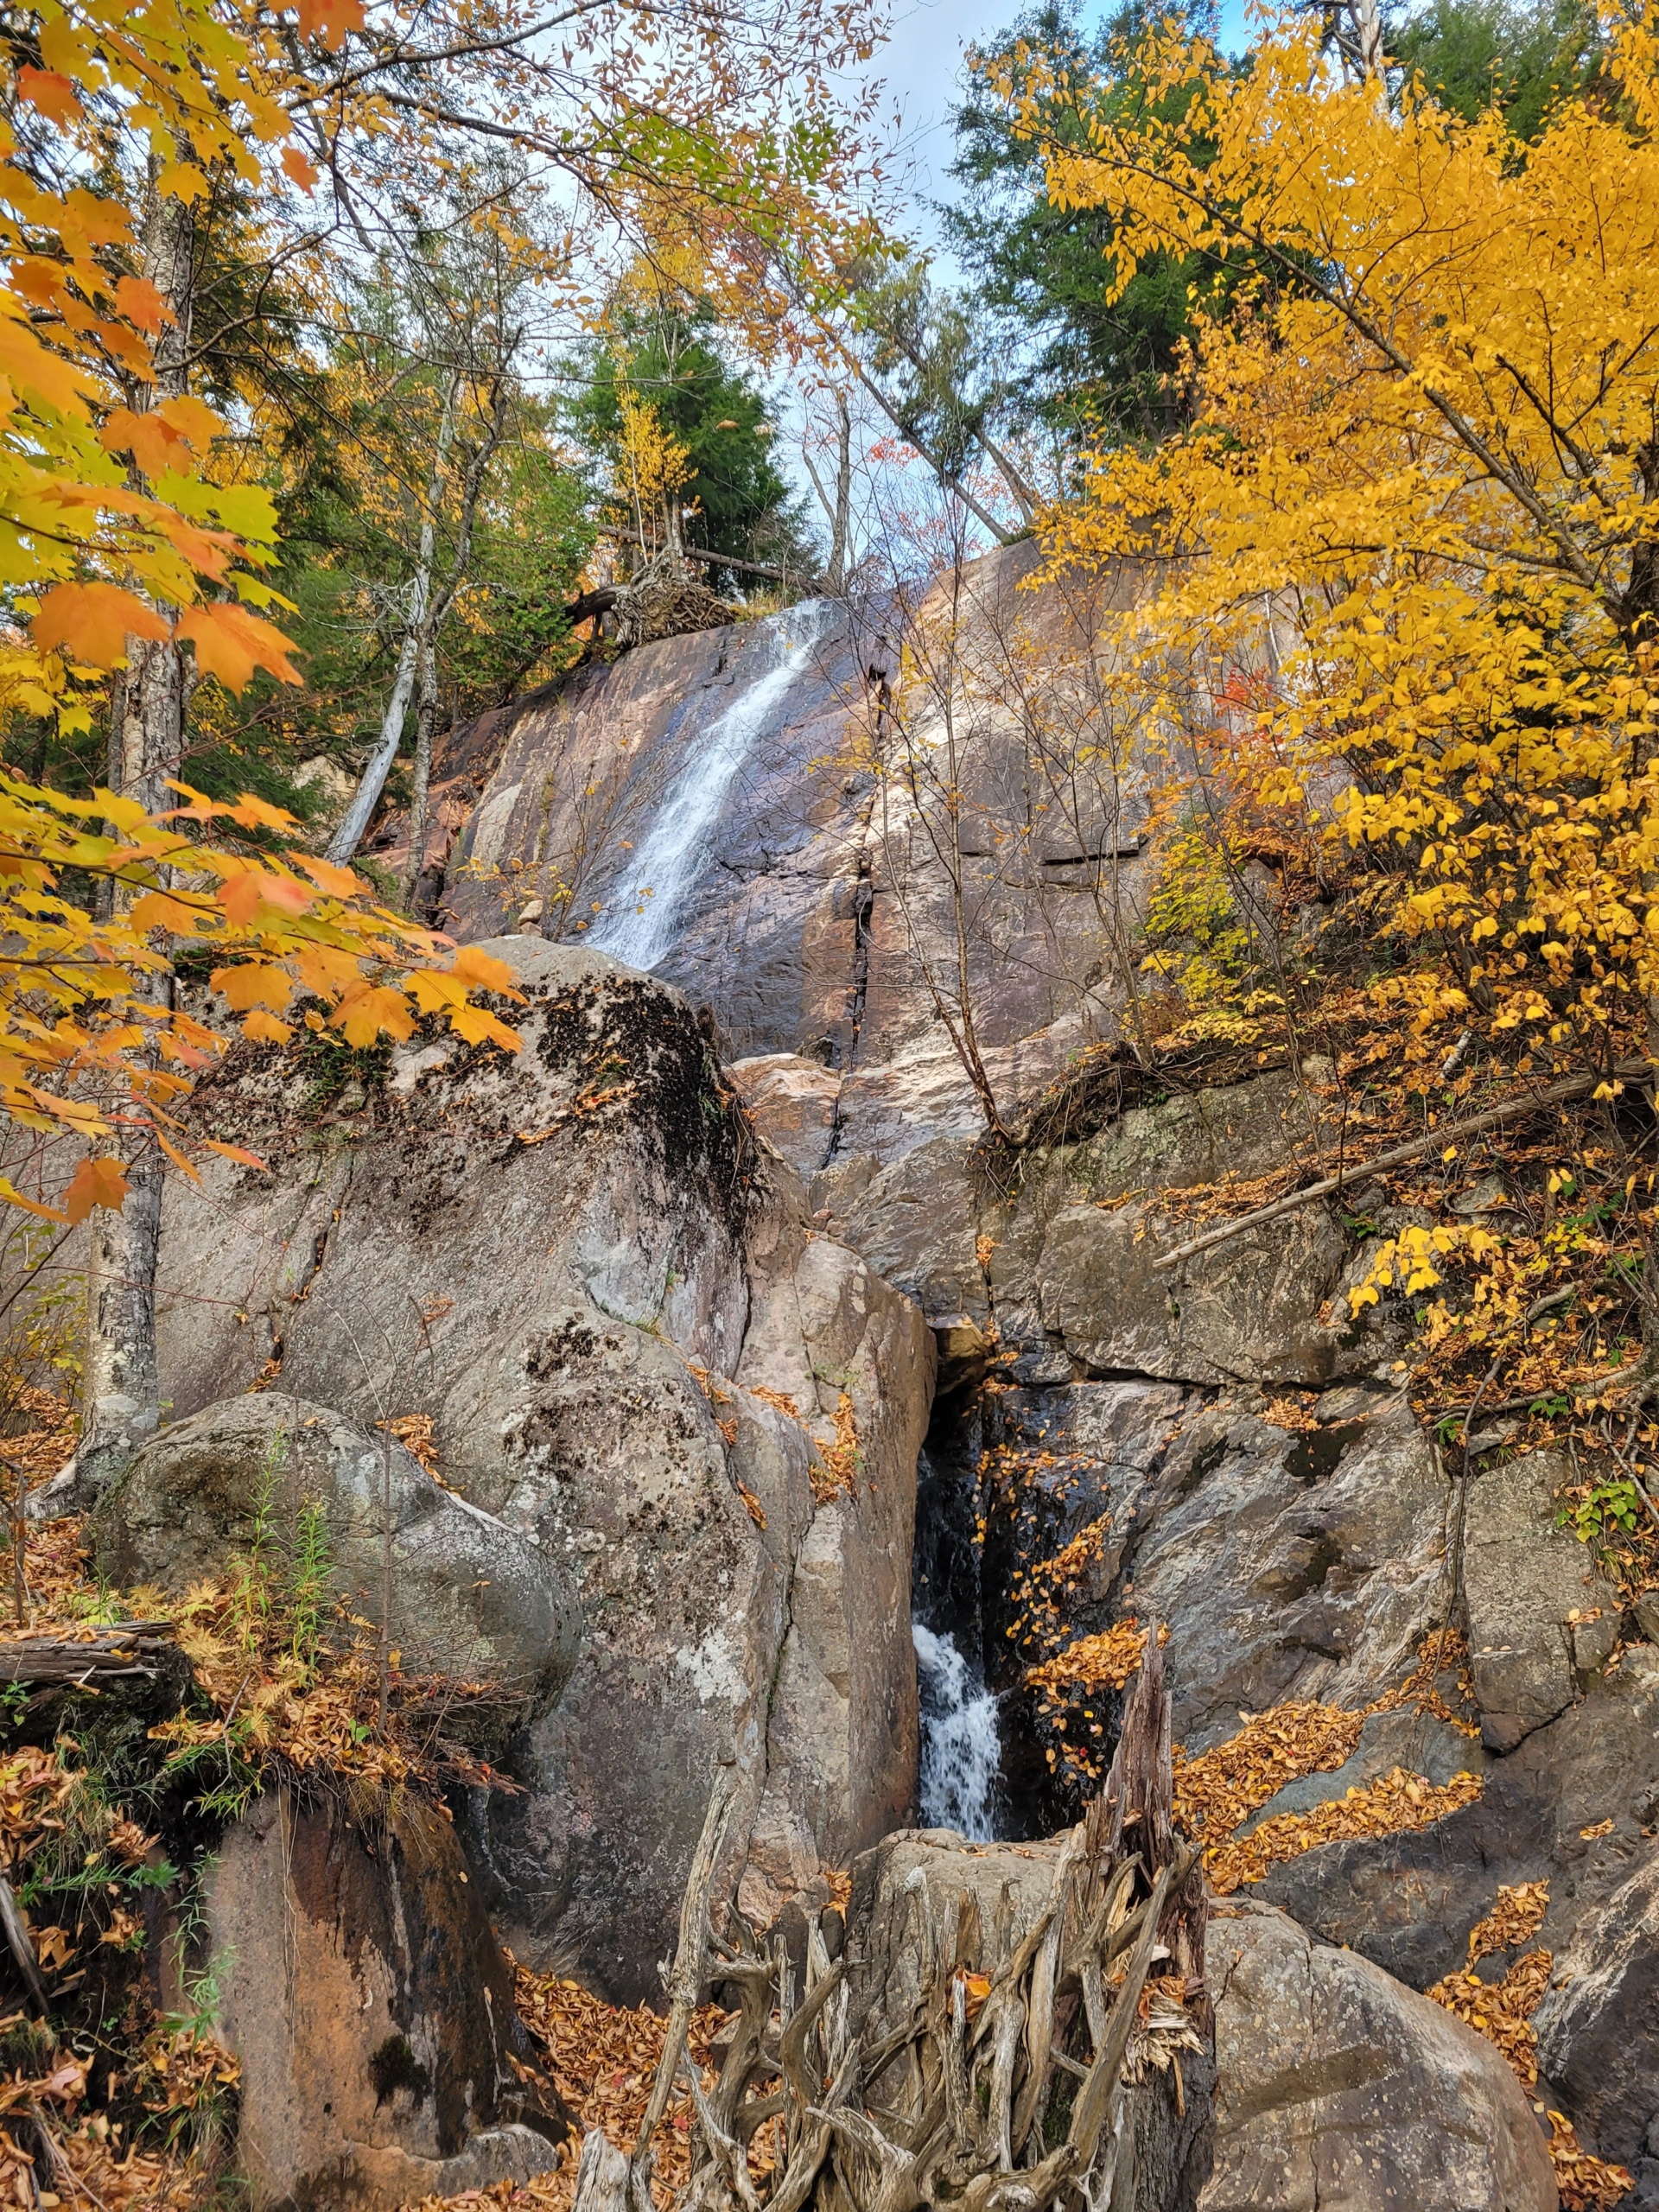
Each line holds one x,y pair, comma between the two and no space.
1069,2067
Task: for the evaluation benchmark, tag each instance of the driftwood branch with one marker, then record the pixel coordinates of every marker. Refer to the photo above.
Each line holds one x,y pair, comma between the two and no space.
1508,1109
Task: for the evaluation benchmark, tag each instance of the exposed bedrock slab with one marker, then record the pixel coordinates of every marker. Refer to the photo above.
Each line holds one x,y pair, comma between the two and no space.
820,901
576,1265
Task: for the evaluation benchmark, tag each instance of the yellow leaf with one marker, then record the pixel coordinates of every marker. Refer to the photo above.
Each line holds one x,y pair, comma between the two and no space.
253,982
482,972
364,1012
264,1028
14,1196
480,1027
182,181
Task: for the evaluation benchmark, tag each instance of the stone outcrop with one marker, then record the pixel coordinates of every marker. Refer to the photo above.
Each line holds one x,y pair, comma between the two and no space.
471,1597
1337,2086
1538,1614
371,2008
1597,2027
572,1263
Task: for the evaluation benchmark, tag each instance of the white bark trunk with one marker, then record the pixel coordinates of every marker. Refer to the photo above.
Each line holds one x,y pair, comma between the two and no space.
122,1382
349,835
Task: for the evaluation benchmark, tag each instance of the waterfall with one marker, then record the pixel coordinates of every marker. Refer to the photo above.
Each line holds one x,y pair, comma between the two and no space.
961,1751
669,859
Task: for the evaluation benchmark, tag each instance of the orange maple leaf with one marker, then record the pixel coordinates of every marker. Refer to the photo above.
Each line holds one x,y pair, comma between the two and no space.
298,168
54,94
93,622
38,373
95,1183
235,1150
231,643
149,438
338,882
192,419
142,303
329,20
243,895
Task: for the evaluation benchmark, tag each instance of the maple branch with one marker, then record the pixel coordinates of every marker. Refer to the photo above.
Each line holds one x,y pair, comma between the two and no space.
460,52
1508,1109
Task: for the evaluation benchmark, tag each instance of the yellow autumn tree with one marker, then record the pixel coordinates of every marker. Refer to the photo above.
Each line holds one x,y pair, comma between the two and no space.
1426,456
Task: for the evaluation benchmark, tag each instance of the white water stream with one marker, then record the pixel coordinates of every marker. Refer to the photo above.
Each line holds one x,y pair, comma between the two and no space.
669,860
961,1751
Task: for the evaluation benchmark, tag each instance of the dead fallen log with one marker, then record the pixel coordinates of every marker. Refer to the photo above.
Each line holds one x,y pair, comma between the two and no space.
1492,1118
120,1650
1045,2072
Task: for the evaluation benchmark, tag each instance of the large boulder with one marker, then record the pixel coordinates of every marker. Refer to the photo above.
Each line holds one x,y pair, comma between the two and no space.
371,2008
575,1264
1340,2089
471,1597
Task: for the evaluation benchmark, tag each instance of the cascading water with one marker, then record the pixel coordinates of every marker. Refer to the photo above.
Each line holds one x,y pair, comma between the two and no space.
961,1751
667,862
961,1781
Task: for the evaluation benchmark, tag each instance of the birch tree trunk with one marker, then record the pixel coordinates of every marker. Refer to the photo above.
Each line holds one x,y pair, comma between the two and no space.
121,1385
425,714
349,835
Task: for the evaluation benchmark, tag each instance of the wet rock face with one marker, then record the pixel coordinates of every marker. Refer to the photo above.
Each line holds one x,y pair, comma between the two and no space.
1286,1564
794,927
563,1259
371,2008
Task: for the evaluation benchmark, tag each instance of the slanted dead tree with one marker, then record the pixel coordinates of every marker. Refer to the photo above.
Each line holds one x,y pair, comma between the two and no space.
1071,2068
